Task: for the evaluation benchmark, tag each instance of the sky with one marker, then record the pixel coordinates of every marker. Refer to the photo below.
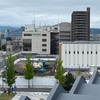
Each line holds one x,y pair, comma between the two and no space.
46,12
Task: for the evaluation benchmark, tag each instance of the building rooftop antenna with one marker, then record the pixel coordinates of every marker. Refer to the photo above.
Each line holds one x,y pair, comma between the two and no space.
33,22
58,23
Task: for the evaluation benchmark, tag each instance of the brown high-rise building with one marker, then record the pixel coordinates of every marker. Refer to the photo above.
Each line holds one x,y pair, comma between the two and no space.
80,25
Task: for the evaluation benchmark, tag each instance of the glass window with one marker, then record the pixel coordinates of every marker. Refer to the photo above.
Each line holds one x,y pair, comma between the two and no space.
96,52
44,45
27,34
44,34
44,49
44,40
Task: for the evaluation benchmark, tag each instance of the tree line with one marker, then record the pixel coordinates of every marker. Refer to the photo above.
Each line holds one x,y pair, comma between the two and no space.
9,74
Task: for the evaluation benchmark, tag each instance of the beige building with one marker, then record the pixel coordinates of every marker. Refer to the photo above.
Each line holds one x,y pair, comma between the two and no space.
36,41
59,32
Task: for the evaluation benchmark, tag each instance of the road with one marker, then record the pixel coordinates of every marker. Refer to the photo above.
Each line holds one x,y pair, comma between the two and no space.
32,89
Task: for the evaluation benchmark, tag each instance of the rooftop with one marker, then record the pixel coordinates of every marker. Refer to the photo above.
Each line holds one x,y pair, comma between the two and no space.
81,90
81,42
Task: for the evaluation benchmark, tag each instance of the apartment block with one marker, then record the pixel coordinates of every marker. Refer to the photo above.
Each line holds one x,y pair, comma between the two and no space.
80,25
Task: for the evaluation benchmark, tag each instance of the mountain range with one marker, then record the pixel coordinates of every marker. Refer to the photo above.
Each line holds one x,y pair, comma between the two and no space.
95,31
10,28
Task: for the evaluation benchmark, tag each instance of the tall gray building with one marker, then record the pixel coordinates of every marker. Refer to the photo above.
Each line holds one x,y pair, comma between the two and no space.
59,32
80,25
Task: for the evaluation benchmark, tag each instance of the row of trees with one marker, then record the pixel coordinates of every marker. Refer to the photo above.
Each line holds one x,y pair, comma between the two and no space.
65,80
10,75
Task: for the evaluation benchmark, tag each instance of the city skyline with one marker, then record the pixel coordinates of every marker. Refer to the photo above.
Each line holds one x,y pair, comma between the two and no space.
19,13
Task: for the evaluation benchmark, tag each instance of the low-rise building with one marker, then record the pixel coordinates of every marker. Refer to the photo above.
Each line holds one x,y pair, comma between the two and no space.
83,54
36,41
59,32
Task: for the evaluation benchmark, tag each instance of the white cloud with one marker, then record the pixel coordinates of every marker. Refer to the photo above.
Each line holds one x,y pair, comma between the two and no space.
20,12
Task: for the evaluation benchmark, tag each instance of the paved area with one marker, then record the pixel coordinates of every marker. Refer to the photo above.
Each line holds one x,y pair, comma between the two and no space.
48,81
36,81
32,95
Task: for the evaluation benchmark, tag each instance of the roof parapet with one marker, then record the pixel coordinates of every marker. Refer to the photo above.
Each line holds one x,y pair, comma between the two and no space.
79,80
94,77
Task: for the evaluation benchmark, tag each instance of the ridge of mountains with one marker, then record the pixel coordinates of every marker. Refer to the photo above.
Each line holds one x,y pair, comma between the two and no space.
10,28
94,31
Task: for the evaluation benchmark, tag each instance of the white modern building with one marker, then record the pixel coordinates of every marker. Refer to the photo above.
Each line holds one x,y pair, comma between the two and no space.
36,41
83,54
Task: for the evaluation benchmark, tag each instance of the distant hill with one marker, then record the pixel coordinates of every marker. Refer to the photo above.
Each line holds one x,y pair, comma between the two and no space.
3,28
95,31
10,28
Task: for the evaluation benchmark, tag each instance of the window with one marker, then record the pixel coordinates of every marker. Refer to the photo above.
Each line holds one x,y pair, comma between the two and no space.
96,52
74,52
77,52
82,52
87,52
44,40
69,52
55,28
44,34
91,52
27,34
44,45
44,49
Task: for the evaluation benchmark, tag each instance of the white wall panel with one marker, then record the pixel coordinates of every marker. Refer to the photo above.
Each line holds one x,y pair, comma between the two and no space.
85,55
75,59
93,54
85,59
98,54
67,50
80,55
71,55
63,54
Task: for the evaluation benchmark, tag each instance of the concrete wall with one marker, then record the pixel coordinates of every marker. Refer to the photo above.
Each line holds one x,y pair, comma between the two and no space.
80,54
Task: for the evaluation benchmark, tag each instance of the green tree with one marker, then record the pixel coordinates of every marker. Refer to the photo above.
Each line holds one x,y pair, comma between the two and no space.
3,47
59,75
28,71
68,81
10,70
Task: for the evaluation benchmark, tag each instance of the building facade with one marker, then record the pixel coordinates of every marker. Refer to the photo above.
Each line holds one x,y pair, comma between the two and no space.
35,41
80,54
45,39
80,25
59,32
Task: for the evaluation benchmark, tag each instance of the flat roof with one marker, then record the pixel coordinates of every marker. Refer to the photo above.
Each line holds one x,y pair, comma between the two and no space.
81,42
